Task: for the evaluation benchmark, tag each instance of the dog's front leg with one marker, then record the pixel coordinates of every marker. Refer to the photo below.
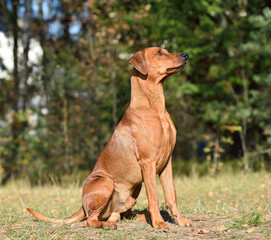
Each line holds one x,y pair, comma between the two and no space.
166,178
149,175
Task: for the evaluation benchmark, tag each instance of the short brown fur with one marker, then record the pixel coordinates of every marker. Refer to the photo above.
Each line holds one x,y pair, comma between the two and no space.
140,147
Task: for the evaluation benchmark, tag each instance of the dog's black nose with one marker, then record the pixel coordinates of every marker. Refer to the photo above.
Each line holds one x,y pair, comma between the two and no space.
184,56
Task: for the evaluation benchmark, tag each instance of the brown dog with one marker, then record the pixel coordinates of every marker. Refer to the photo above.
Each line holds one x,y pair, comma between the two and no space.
140,147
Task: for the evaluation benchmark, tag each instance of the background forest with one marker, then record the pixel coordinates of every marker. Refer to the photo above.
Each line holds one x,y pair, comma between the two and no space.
64,81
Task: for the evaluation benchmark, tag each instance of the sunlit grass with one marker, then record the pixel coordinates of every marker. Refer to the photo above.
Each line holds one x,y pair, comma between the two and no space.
231,201
223,194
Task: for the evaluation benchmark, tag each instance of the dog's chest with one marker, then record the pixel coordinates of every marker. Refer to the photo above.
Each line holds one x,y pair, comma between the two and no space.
154,137
167,141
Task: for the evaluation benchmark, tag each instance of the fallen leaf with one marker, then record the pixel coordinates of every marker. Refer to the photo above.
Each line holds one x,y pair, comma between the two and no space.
195,231
222,228
260,208
250,230
211,194
55,211
203,231
196,211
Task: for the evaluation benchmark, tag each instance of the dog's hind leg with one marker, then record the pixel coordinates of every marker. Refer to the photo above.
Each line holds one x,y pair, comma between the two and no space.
129,203
129,214
97,194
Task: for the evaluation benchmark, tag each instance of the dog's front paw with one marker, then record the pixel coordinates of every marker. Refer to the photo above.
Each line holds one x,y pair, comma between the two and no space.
160,225
183,222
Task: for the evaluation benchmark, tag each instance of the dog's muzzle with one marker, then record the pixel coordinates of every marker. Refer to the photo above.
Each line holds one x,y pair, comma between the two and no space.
176,68
184,57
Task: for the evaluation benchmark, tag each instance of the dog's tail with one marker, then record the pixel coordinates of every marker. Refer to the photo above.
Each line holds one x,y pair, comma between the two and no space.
78,216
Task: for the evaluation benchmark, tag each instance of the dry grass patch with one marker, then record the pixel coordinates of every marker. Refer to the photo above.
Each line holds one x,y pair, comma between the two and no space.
229,206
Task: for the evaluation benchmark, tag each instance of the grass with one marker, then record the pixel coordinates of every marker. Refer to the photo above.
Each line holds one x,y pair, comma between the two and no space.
252,219
228,206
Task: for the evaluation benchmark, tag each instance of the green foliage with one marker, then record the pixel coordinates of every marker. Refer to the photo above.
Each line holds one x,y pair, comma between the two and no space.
221,99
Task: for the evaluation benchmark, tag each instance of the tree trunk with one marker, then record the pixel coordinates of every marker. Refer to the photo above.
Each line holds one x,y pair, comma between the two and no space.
67,164
244,122
15,30
11,164
26,44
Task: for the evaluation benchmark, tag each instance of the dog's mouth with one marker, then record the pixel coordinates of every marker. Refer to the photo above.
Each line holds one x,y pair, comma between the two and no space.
176,68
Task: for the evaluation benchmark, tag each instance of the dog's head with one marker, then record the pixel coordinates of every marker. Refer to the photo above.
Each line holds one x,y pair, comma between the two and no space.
157,63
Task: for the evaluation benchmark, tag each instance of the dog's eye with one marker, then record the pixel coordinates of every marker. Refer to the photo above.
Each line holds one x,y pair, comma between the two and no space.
159,53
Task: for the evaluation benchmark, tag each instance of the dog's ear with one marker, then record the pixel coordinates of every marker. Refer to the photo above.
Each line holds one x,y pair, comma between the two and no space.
139,62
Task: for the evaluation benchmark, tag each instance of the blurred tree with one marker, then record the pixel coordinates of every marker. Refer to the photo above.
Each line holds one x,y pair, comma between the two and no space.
257,48
65,107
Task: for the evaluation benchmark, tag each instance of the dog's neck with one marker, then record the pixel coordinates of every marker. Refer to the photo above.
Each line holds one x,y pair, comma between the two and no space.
146,94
